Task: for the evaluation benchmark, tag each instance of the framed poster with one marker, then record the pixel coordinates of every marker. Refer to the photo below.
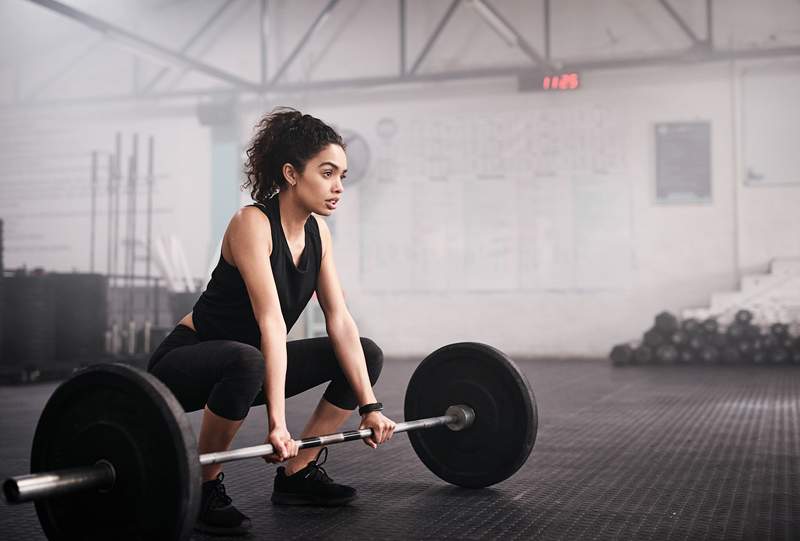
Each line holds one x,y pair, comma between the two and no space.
683,162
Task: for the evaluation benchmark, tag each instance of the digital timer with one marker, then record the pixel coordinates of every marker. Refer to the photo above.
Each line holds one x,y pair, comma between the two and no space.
562,81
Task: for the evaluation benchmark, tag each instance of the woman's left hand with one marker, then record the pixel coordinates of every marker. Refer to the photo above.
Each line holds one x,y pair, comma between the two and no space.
382,428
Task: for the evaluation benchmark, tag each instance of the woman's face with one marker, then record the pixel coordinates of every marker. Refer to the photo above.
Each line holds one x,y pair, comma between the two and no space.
320,188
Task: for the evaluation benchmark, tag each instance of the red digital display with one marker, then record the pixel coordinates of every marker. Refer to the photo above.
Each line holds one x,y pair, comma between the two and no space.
561,81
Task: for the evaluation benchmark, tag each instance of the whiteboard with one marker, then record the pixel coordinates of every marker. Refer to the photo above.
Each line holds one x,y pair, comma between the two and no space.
502,201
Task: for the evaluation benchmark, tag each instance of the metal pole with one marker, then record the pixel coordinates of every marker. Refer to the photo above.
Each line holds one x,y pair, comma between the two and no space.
93,211
263,35
402,6
436,33
126,252
117,190
101,475
109,208
735,153
212,19
458,417
144,47
45,485
680,21
710,24
547,29
303,41
157,301
131,237
150,182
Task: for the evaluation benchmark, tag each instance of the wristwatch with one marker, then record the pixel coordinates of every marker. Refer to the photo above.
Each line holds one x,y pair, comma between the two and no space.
369,408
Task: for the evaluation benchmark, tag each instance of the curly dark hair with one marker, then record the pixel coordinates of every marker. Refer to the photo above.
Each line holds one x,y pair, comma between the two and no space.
284,135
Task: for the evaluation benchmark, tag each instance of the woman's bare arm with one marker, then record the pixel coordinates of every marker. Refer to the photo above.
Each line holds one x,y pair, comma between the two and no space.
344,336
250,244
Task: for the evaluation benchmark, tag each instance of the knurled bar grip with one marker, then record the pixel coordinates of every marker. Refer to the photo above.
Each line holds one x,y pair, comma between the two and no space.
319,441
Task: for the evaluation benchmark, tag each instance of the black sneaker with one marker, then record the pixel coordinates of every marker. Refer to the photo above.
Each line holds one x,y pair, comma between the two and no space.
310,486
217,515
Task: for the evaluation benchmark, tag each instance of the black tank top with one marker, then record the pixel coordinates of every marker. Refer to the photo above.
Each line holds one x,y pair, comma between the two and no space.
224,310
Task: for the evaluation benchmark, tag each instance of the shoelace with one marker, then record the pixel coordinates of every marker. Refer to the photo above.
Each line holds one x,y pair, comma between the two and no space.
218,498
315,469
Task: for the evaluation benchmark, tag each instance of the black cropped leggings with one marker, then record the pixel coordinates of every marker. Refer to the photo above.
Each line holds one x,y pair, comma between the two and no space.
228,376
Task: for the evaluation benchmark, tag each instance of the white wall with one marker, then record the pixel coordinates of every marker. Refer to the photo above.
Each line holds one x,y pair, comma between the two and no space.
45,180
674,255
681,253
767,113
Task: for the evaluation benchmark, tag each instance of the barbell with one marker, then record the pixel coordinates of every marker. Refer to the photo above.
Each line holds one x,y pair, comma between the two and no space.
114,455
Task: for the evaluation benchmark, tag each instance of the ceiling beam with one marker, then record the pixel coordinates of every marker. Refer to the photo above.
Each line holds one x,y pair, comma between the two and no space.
402,31
436,33
669,59
710,23
33,94
263,37
681,22
304,41
189,43
143,47
547,37
492,16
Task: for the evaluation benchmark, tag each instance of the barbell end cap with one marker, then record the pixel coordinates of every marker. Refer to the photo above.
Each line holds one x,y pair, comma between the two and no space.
112,472
11,491
464,417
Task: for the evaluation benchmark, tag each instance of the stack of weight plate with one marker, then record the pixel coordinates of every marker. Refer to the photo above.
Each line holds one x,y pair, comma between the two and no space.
693,341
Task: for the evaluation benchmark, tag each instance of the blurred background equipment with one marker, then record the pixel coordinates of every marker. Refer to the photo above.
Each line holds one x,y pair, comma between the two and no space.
671,341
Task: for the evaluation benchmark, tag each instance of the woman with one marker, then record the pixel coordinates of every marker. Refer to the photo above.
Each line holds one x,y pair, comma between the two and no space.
231,353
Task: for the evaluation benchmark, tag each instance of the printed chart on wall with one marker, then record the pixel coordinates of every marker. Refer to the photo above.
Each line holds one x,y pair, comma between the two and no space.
683,162
538,200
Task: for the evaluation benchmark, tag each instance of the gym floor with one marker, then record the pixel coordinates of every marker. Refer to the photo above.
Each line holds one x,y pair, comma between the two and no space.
656,452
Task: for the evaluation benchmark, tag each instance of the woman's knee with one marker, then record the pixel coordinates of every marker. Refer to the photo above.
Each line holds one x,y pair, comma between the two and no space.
241,380
243,361
374,357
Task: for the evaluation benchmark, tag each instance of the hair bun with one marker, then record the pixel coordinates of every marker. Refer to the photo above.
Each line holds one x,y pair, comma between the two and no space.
285,135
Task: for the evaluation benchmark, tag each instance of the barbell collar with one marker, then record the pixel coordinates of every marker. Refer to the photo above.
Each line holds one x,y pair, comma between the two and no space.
464,417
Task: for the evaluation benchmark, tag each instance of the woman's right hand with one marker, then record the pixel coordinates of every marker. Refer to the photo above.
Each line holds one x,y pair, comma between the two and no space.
283,444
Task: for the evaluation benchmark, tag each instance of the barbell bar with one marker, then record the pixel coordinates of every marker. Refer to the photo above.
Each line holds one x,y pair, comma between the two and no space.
102,475
456,418
114,454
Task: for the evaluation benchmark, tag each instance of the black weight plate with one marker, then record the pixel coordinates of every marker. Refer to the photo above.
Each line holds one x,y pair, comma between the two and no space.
621,354
666,323
129,418
643,354
667,354
501,438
